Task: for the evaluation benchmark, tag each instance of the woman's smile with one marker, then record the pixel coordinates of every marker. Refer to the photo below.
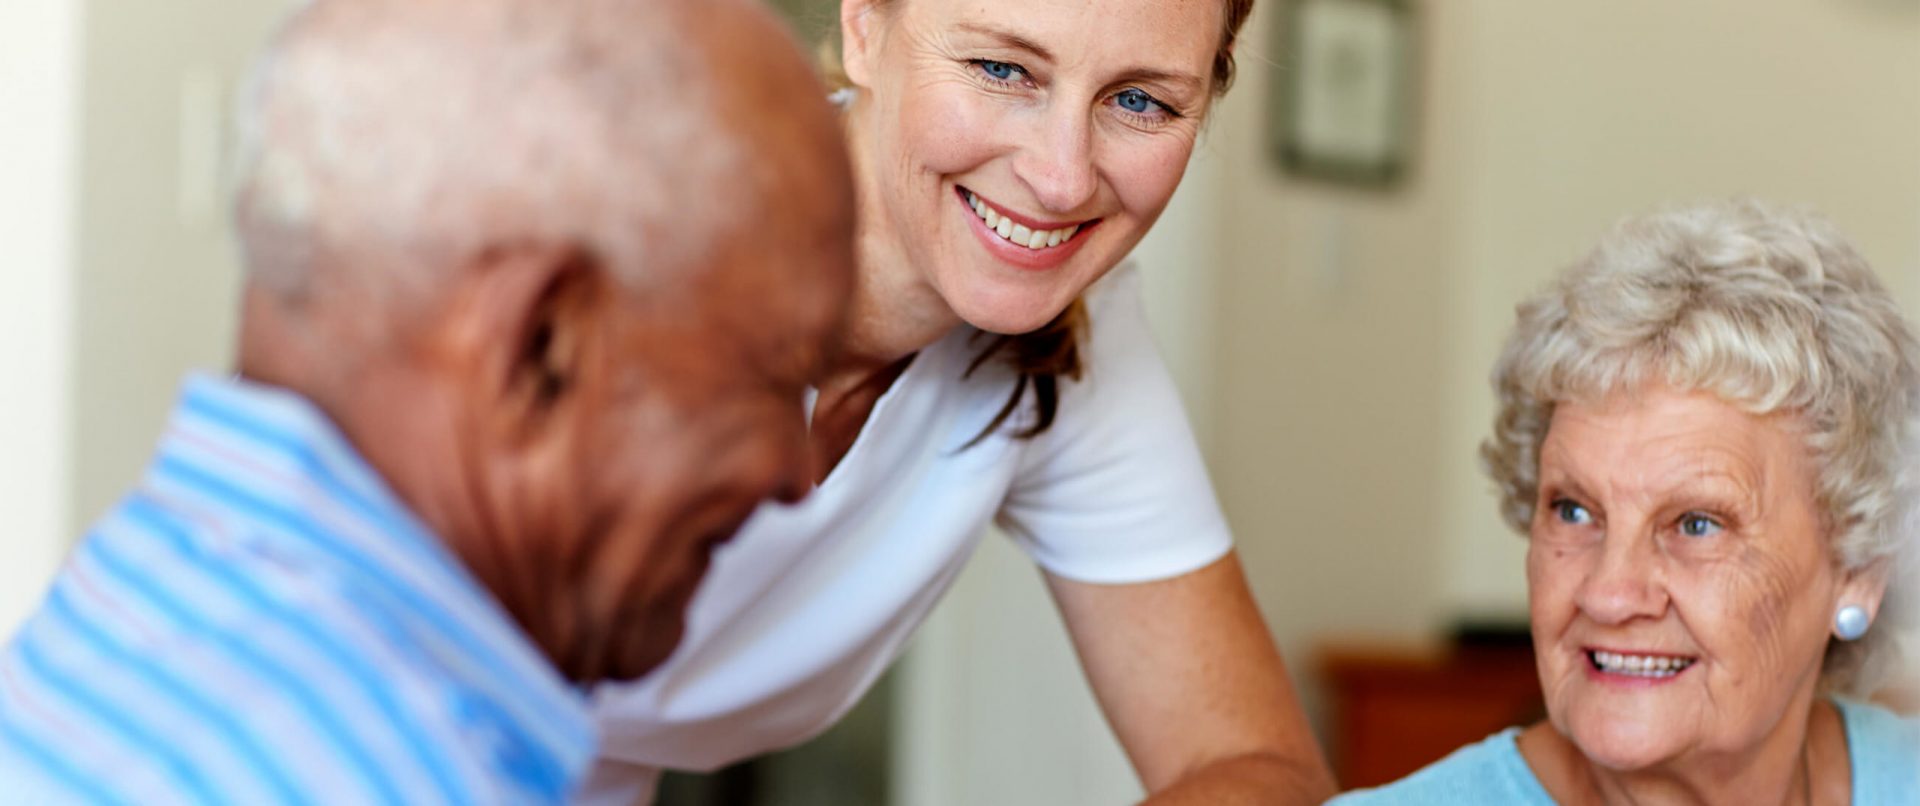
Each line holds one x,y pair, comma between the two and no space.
1635,669
1025,242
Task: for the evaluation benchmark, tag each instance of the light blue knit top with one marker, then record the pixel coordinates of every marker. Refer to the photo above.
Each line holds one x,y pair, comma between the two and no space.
1883,750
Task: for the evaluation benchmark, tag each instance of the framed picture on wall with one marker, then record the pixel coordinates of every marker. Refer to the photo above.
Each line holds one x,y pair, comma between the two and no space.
1343,105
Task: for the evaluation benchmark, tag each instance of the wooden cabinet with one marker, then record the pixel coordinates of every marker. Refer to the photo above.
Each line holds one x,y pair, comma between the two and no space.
1398,707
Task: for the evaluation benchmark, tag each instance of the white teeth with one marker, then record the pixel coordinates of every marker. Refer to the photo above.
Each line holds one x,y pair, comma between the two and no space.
1018,233
1640,665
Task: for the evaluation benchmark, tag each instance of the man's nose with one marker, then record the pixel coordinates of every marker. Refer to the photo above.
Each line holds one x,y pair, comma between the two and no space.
1624,583
1057,164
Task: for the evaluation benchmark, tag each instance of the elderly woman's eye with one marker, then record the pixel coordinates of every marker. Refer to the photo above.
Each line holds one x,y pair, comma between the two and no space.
1000,71
1570,512
1694,524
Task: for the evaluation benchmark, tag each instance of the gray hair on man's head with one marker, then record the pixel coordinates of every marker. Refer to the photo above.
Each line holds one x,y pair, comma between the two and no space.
1769,309
434,128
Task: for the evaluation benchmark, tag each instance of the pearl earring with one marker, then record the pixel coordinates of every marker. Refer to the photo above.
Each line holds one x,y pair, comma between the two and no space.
1850,623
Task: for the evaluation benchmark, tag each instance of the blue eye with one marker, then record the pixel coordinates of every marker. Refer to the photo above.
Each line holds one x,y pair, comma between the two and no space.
1694,524
999,71
1570,512
1136,101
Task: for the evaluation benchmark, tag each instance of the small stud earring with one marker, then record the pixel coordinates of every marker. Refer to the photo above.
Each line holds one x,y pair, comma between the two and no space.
1850,623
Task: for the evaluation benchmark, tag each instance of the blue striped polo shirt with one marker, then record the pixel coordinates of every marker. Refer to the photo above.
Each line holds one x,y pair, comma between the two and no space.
262,621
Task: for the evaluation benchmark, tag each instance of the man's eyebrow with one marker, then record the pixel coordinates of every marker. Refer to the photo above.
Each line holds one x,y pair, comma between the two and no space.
1008,38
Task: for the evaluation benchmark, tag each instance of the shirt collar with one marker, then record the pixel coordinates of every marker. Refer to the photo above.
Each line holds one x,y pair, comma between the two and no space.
268,462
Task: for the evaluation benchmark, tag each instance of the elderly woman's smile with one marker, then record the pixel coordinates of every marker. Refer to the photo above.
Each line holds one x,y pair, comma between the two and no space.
1680,576
1655,668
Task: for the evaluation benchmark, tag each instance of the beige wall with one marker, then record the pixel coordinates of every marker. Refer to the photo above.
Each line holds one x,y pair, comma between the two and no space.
120,276
156,277
39,87
1332,353
1356,329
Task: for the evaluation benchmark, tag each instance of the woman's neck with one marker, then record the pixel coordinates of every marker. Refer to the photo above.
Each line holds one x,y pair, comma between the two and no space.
893,314
1802,762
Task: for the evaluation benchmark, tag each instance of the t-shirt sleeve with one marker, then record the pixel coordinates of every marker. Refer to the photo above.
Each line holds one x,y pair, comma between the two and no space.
1115,491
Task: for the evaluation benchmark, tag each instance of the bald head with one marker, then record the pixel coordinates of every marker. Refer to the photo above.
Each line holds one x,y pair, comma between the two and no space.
560,270
431,129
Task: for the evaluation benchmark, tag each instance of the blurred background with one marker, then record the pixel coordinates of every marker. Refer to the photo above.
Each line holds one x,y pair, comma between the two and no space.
1330,285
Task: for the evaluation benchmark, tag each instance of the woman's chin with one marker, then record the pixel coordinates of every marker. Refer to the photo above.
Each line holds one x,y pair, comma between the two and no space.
1009,320
1624,745
1008,306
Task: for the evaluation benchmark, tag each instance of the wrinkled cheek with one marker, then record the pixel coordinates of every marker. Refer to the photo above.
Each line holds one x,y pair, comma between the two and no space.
1534,565
1788,603
1771,595
1550,609
1766,619
1551,580
941,133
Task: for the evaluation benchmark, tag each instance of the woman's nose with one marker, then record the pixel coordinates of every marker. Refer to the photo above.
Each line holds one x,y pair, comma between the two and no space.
1057,165
1623,584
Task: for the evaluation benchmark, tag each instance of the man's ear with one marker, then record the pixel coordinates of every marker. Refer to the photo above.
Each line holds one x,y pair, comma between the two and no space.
856,40
534,322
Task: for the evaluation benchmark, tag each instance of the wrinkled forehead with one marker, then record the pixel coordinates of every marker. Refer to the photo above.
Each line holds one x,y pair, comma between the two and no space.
1662,437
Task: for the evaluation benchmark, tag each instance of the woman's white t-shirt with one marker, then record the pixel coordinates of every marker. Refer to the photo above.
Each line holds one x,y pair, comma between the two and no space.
809,604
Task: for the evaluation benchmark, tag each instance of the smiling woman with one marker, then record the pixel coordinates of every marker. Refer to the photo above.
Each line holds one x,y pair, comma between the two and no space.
1706,430
1007,155
1044,354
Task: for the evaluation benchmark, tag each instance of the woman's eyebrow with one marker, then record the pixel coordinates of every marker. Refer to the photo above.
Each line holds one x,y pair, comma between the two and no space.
1008,38
1184,81
1717,488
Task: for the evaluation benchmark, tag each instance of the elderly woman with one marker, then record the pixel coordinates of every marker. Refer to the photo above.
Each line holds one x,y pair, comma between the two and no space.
1703,430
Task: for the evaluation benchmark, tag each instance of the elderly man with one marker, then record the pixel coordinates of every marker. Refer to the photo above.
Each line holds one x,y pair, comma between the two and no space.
533,292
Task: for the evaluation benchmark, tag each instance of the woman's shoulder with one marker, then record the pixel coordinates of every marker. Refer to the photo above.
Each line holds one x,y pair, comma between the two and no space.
1489,771
1865,720
1884,751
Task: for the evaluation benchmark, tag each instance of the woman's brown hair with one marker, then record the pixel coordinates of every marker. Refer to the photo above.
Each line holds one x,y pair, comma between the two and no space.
1040,358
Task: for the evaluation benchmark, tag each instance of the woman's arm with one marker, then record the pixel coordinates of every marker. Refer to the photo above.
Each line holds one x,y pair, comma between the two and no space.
1193,685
